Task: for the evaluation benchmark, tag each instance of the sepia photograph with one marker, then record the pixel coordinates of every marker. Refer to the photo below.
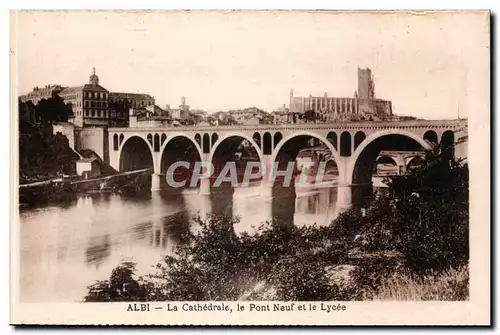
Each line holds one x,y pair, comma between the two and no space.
248,161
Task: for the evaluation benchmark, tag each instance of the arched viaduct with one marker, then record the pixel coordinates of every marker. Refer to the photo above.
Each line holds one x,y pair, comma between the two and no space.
354,146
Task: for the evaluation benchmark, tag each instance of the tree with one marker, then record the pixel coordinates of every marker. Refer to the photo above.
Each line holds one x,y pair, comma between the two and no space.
121,286
52,110
308,116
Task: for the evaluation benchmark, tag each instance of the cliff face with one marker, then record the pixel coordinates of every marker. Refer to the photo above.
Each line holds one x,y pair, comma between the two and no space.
43,155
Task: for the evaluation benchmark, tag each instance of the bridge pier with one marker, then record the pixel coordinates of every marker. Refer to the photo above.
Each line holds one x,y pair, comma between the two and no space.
155,182
344,199
204,186
266,190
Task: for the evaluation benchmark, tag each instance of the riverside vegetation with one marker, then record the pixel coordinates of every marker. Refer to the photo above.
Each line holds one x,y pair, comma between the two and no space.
411,244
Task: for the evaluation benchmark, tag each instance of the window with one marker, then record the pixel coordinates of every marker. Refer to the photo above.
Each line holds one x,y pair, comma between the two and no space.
93,113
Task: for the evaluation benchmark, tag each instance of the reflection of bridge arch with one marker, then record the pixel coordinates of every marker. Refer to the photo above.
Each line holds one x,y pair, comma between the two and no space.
324,140
135,153
233,135
355,166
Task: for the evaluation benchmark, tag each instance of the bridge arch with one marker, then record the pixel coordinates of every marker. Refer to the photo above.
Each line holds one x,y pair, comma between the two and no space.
324,140
332,137
174,136
382,162
135,153
197,138
183,148
431,136
345,144
206,143
365,155
232,135
276,139
156,142
256,138
267,143
358,138
215,137
115,142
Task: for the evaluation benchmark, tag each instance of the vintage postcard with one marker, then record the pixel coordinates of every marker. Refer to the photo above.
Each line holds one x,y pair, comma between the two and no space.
250,168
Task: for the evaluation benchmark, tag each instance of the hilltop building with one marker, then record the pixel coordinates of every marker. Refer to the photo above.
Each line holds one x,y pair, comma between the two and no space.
47,92
92,104
362,106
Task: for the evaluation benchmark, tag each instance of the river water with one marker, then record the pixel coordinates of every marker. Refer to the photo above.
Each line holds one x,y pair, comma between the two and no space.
68,246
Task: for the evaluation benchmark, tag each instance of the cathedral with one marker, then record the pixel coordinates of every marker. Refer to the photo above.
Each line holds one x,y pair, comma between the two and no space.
362,106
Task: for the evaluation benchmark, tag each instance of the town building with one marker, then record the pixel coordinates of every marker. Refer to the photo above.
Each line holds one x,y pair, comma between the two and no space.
250,116
88,168
282,115
362,106
92,104
47,92
182,113
89,102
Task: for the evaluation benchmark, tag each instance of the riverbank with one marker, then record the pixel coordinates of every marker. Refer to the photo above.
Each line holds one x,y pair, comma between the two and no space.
281,263
408,242
44,192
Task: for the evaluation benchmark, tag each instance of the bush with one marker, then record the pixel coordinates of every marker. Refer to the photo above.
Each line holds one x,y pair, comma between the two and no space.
425,215
122,286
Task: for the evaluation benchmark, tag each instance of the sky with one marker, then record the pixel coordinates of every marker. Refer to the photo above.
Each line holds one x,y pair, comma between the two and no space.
432,66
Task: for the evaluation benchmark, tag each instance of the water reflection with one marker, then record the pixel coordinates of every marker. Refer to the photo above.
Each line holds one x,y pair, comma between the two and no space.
66,248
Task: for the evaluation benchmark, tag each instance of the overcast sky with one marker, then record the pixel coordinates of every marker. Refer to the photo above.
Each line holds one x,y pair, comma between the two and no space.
428,65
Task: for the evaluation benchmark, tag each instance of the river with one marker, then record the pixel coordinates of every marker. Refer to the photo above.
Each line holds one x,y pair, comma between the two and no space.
67,246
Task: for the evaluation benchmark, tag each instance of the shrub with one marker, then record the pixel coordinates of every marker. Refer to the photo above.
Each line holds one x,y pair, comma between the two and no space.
121,286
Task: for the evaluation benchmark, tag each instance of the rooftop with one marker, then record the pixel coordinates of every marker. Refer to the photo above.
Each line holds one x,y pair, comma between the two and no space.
121,95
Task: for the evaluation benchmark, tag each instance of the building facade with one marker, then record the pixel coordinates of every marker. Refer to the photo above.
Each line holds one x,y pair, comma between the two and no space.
362,106
182,113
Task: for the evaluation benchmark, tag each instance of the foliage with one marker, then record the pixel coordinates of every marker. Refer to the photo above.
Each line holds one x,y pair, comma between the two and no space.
218,264
52,110
43,155
121,286
425,215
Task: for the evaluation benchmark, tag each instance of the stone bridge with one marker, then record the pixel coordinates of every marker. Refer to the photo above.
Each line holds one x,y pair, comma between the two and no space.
355,146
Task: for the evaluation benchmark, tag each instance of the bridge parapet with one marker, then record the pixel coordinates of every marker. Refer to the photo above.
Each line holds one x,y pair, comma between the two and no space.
415,124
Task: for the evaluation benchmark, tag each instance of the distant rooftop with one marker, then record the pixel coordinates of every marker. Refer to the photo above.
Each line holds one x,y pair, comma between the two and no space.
121,95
